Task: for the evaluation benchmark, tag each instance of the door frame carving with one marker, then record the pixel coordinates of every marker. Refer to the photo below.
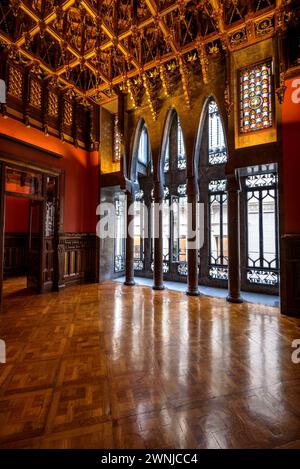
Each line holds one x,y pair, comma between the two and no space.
24,165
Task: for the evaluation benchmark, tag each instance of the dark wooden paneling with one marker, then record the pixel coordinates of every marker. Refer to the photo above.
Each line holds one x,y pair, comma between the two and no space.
78,257
15,254
48,264
290,275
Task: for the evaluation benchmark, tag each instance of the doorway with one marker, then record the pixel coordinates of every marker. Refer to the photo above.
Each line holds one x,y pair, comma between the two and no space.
16,244
29,230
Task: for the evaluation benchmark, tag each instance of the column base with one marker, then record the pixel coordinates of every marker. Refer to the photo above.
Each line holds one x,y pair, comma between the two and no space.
129,283
234,299
193,293
158,287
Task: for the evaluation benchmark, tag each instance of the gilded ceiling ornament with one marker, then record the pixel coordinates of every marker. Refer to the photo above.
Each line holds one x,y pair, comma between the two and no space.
265,26
203,61
227,99
185,82
131,94
15,6
192,57
238,37
53,81
163,78
14,53
27,40
150,98
171,66
213,49
35,68
43,27
108,42
250,29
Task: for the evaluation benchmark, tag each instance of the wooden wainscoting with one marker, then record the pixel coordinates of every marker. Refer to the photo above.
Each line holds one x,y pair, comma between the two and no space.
15,254
290,275
78,257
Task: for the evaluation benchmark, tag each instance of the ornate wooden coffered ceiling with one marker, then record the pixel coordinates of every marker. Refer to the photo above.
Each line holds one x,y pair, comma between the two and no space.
94,47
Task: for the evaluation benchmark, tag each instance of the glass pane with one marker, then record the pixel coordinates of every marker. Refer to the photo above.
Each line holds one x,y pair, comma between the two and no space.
269,229
119,234
181,156
166,229
253,228
182,229
217,152
225,230
218,259
167,156
137,229
23,182
262,229
143,147
175,206
215,217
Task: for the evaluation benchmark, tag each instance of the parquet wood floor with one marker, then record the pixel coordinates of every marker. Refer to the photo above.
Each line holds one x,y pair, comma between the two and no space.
109,366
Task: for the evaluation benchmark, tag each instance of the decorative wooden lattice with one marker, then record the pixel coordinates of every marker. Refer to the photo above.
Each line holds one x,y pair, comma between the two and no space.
35,94
94,44
52,104
15,83
68,113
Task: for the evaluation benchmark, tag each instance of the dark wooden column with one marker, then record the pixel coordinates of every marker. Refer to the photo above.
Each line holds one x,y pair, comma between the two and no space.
234,270
158,283
192,253
129,267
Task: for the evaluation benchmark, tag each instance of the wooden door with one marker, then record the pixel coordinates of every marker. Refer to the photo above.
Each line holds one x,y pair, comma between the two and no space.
35,245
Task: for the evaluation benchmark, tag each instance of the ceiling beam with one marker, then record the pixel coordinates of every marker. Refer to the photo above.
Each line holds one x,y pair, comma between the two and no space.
222,33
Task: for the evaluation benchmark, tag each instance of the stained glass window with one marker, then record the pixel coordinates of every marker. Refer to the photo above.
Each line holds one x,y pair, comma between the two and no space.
256,98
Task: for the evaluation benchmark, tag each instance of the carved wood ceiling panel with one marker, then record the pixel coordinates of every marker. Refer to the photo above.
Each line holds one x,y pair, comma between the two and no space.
93,46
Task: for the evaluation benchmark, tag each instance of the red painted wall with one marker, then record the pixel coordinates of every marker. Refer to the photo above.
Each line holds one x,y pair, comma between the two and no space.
81,173
16,215
291,156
